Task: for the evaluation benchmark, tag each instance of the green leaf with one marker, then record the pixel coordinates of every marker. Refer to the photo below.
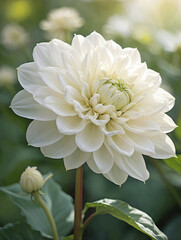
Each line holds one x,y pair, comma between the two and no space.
19,231
134,217
58,202
174,163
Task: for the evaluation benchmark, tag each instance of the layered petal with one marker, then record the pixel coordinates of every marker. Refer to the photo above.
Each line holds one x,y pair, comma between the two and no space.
140,143
119,144
92,165
164,147
49,76
90,139
63,148
24,105
134,165
116,175
29,78
76,159
41,133
103,159
49,54
96,39
70,125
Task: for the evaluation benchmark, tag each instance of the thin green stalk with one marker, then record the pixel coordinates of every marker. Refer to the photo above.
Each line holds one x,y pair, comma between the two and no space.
87,221
167,183
78,203
67,36
38,198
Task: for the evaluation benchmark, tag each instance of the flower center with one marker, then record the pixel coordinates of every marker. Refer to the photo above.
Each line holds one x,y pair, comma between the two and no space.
114,91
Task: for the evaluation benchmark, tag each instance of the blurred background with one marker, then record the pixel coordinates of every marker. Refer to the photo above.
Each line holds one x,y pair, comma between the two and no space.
152,26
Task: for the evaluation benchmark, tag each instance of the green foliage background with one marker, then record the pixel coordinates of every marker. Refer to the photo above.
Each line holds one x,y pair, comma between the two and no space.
153,197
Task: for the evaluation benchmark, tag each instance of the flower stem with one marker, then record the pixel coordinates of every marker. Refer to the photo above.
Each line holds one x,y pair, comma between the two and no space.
167,183
88,220
78,203
67,37
37,197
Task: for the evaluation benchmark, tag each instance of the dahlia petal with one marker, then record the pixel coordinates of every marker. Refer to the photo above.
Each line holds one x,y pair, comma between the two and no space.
135,75
24,105
119,144
81,44
103,159
41,93
72,94
96,60
28,77
120,63
100,108
70,125
102,120
134,165
112,128
49,76
152,78
164,147
114,48
141,125
63,148
133,53
80,108
59,106
167,124
76,159
134,113
152,124
141,143
67,78
90,139
77,42
160,101
41,55
85,90
71,59
58,49
50,54
41,134
168,99
116,175
96,39
92,165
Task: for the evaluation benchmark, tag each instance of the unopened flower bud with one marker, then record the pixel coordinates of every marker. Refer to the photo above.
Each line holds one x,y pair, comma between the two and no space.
31,180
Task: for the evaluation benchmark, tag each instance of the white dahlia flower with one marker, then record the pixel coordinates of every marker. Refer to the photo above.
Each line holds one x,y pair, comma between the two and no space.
61,21
14,36
94,102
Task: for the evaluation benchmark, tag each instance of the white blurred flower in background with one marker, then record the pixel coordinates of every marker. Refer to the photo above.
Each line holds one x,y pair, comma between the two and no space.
170,42
7,75
95,102
14,36
118,26
61,22
156,21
